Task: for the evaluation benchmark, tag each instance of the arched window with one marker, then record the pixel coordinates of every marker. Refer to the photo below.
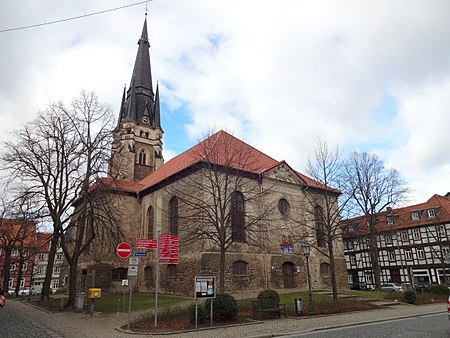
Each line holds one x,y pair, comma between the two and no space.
119,274
142,157
237,217
173,216
148,275
240,268
150,222
325,270
171,271
320,232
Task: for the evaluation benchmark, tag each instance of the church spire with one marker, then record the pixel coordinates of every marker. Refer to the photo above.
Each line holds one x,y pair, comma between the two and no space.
140,105
137,139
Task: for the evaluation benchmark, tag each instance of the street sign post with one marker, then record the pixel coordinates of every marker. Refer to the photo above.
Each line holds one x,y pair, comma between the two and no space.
123,250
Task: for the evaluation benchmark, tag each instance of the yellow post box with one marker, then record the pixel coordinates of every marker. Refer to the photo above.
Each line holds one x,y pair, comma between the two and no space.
94,293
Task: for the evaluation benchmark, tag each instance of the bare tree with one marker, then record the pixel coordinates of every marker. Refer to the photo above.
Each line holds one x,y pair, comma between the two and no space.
372,188
56,157
220,197
325,167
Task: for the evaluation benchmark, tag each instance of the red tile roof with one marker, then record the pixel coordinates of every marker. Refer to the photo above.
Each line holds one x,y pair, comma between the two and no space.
220,148
402,217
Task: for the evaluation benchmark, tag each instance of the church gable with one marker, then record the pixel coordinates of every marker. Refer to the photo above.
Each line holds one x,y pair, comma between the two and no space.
283,172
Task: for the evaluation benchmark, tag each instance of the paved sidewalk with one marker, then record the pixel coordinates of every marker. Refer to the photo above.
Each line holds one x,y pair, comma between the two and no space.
70,324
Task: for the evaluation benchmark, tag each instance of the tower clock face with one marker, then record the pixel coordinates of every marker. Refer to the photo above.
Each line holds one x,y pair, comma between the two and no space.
145,119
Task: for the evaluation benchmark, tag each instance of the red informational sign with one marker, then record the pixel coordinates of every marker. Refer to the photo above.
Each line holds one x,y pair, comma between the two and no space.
168,249
146,243
123,250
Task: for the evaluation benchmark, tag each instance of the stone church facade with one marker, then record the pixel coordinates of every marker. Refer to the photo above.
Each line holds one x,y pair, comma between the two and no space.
265,204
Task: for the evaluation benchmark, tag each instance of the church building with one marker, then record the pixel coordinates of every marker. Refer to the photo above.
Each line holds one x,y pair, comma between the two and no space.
238,214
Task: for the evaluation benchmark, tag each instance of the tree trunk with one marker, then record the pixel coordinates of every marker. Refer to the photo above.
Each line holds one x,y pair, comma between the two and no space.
72,283
6,265
332,270
49,272
222,271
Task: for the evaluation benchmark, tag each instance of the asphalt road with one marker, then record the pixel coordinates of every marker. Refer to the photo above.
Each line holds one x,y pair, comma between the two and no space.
427,326
13,324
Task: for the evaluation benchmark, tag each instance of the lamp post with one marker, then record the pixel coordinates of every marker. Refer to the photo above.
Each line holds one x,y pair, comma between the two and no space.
306,250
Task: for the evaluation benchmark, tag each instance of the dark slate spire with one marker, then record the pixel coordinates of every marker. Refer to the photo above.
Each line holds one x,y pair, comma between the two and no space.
140,103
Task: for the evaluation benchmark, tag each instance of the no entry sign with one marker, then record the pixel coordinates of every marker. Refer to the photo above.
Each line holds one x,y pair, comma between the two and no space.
123,250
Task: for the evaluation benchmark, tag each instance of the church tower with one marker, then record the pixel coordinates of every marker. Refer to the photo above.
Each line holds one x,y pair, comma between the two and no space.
137,144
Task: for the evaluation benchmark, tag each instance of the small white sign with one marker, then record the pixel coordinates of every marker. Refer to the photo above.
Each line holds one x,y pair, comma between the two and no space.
132,270
124,282
133,260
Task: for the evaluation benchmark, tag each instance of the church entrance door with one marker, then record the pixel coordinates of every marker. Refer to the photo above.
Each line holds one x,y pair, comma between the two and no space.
288,275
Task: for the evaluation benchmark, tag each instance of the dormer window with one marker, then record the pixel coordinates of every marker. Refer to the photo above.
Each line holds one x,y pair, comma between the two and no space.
431,213
390,220
415,215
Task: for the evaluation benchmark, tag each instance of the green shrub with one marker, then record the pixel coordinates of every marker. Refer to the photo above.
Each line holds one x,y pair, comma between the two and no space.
224,307
201,313
410,296
269,294
439,289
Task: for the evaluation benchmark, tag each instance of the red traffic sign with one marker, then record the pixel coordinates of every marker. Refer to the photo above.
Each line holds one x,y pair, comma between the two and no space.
123,250
146,243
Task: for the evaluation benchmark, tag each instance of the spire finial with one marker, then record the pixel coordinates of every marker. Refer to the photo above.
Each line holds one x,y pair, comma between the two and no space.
146,9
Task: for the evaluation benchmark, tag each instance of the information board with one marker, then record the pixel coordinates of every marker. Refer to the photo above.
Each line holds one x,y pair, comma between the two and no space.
205,287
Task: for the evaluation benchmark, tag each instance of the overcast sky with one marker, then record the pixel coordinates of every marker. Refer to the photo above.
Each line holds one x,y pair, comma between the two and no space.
363,75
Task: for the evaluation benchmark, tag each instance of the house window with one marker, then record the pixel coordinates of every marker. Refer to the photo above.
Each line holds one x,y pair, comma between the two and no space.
24,266
368,276
11,283
404,235
150,222
416,234
325,270
283,206
22,282
55,283
353,260
388,239
391,256
40,257
420,253
14,253
39,270
119,274
142,157
58,257
57,269
240,268
408,254
12,267
431,213
441,230
173,216
237,217
350,244
171,271
390,220
415,215
320,233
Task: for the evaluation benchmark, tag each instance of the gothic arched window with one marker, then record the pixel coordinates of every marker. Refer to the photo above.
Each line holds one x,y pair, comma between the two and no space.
237,217
173,216
142,157
240,268
150,222
320,232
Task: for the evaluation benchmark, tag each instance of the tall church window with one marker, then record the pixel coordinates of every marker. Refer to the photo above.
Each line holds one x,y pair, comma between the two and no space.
142,157
150,222
237,217
320,233
173,216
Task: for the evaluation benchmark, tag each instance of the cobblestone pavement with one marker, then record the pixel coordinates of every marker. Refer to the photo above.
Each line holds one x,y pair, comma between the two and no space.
70,324
15,324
